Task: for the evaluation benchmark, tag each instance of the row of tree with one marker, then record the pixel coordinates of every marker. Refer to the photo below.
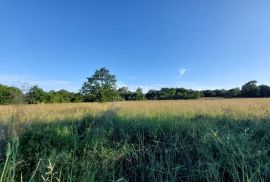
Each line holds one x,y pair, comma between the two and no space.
250,89
101,87
35,95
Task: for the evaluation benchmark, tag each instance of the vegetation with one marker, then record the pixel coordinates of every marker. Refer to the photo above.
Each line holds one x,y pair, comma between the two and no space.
101,87
193,140
125,94
37,95
173,94
9,95
250,89
235,92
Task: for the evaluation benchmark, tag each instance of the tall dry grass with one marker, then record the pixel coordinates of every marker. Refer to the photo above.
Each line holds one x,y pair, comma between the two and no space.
192,140
237,108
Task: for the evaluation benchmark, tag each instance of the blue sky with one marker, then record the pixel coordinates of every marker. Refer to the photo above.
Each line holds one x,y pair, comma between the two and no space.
199,44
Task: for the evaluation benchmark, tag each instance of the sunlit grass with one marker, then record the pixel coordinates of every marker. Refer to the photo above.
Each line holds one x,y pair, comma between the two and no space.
192,140
237,108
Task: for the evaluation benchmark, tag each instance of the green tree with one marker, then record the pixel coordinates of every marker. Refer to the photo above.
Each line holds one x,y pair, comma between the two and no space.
167,93
139,94
214,93
250,89
152,95
235,92
124,93
100,87
36,95
10,95
264,91
64,96
76,97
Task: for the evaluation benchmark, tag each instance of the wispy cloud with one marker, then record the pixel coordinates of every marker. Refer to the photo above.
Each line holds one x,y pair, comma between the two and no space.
182,72
22,80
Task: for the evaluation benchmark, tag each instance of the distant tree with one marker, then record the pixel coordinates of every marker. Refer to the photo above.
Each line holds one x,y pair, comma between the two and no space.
50,97
250,89
220,93
264,91
235,92
209,93
124,93
214,93
76,97
123,90
139,94
100,87
36,95
167,93
10,95
152,95
182,93
64,96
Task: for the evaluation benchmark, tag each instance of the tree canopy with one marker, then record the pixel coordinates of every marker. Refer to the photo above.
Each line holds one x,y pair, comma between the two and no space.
100,87
250,89
10,95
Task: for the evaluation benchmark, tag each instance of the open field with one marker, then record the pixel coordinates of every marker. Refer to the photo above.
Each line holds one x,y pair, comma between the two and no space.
192,140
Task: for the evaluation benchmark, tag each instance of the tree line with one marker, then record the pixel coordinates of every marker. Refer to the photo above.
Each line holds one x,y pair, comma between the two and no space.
101,87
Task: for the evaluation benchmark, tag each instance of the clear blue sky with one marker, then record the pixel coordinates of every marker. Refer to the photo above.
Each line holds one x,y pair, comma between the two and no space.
195,44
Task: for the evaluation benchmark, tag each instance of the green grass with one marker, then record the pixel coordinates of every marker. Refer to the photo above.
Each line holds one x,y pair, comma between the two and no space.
110,146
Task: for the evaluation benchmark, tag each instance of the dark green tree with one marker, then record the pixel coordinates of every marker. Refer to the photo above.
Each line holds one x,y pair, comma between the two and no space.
124,93
264,91
152,95
250,89
167,93
235,92
100,87
36,95
214,93
139,94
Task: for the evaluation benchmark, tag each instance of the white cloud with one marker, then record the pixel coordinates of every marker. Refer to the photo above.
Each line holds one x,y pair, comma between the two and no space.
182,71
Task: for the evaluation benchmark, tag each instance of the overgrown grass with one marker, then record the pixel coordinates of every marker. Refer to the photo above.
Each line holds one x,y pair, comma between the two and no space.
115,144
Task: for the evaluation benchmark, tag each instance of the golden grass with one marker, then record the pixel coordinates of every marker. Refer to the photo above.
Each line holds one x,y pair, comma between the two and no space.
236,108
185,140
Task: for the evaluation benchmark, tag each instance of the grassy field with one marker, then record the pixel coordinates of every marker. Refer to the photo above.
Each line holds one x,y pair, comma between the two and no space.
193,140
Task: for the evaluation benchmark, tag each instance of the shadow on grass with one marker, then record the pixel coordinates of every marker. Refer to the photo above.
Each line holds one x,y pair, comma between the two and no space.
109,147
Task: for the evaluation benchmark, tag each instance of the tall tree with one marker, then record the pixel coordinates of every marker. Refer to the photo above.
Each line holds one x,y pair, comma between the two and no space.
250,89
100,87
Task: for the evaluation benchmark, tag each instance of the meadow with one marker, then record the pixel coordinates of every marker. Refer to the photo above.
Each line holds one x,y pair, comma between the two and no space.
187,140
